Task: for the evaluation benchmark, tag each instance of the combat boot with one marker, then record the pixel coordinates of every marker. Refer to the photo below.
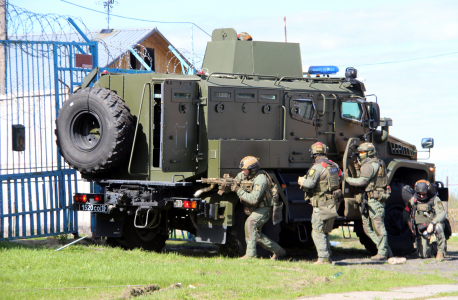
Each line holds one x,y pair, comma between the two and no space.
378,257
279,254
323,261
246,257
390,254
440,256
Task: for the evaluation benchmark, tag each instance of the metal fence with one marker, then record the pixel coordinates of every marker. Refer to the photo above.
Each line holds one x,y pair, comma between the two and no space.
35,184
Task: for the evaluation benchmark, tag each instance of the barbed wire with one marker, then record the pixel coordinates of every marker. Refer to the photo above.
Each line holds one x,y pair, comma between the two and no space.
26,25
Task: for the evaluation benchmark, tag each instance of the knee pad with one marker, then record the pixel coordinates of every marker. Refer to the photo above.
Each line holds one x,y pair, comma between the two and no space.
439,232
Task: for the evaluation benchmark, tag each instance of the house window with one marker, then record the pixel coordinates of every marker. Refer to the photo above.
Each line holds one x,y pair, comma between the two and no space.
133,61
149,58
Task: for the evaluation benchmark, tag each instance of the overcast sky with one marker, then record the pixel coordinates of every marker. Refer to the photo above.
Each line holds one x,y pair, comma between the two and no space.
419,93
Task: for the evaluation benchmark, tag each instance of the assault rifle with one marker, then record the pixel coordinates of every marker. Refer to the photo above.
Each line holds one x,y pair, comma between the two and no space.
227,181
412,221
364,204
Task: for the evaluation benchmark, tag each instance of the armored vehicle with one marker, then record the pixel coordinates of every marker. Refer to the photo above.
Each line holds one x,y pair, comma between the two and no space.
149,139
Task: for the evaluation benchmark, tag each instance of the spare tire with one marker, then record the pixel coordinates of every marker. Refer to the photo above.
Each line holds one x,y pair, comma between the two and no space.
94,130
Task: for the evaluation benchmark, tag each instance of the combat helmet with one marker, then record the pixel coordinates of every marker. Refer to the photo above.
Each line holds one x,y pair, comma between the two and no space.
423,186
244,36
318,149
249,163
368,149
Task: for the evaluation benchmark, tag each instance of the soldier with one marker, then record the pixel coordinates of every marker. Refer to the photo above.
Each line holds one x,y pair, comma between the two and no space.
244,36
372,179
426,210
322,186
258,205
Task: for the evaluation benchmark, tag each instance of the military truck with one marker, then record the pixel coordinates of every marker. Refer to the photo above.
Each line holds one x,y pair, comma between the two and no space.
148,139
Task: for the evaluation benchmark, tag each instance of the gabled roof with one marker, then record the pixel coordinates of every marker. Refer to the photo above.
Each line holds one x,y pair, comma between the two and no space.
24,61
112,46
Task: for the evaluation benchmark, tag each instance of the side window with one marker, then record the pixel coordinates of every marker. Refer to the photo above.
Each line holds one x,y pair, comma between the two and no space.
352,111
302,109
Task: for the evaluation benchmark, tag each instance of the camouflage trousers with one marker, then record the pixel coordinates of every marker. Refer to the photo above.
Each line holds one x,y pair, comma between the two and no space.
320,234
374,226
425,249
253,234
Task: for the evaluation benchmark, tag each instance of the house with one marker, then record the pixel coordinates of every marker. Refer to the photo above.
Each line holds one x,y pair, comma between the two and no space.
149,43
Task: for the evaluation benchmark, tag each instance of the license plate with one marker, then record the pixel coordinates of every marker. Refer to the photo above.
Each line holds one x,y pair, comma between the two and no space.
94,207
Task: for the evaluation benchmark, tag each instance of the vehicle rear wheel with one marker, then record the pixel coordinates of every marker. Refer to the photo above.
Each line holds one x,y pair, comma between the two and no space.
399,235
364,239
94,130
150,239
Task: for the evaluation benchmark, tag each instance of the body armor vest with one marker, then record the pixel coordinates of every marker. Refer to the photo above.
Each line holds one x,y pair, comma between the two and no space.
267,198
380,180
329,178
424,212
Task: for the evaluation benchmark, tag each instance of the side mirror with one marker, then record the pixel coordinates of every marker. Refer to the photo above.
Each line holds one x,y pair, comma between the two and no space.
374,114
427,143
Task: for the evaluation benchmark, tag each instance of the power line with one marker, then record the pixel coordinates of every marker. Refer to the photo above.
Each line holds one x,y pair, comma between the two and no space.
129,18
412,59
168,22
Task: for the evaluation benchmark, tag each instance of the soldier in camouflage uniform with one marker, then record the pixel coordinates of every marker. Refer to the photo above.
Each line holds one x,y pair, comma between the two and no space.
322,186
428,213
258,205
372,179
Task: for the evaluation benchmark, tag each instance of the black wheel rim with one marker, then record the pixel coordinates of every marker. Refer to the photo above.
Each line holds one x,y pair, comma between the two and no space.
86,131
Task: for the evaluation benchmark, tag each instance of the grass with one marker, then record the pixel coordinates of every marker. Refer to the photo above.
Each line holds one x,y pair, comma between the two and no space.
99,272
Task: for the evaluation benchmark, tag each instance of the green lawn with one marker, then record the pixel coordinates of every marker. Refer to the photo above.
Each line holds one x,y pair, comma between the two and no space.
99,272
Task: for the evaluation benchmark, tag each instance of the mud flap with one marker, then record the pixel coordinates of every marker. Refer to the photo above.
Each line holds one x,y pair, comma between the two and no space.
108,228
211,234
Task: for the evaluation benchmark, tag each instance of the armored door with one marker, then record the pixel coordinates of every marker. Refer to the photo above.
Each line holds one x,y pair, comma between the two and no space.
179,126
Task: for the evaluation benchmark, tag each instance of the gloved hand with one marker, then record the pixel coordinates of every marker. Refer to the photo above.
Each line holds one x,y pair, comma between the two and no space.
357,165
430,228
235,187
300,180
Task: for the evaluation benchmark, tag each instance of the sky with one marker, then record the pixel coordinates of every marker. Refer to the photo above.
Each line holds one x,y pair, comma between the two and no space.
407,51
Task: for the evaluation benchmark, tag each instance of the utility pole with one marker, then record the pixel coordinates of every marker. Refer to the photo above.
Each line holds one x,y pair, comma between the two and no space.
3,37
284,19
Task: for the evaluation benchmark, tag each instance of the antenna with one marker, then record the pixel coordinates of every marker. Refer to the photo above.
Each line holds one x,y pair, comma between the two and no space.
284,19
108,6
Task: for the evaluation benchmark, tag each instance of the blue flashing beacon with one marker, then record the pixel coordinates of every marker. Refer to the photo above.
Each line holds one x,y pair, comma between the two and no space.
323,70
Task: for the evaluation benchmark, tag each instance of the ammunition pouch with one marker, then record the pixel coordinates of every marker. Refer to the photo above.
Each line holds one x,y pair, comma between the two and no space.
447,229
327,206
379,194
277,213
337,195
